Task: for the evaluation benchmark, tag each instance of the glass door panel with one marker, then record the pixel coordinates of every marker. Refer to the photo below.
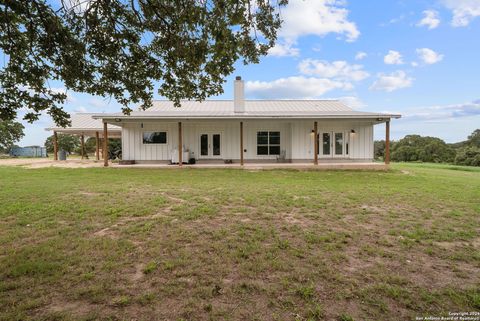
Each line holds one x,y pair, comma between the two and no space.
326,144
204,145
338,144
216,144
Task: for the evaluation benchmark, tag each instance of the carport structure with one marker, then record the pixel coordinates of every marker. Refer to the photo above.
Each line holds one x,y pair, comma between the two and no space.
83,125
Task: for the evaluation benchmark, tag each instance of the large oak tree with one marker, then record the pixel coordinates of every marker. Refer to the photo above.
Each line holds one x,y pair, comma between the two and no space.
124,48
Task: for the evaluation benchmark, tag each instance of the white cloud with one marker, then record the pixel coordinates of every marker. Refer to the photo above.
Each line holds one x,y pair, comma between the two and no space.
285,49
430,19
468,109
71,98
360,55
397,20
56,90
341,70
391,82
352,102
293,87
393,58
429,56
464,11
316,17
80,109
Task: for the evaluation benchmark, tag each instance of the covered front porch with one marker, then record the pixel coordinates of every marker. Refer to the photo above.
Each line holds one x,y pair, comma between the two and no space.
331,143
268,166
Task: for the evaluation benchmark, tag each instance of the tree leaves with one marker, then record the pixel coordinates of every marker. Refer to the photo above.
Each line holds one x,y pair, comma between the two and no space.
126,49
10,133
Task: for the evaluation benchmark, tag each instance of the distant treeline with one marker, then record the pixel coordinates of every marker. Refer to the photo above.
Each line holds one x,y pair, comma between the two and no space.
416,148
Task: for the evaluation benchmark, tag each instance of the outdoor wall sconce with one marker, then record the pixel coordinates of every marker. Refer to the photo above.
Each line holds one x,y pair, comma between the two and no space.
118,120
352,131
141,125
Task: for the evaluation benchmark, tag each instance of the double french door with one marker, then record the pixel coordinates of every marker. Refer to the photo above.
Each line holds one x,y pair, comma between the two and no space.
210,145
333,144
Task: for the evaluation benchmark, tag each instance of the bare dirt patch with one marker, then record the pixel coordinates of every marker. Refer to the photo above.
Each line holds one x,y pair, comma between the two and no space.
91,194
73,308
138,275
106,232
295,218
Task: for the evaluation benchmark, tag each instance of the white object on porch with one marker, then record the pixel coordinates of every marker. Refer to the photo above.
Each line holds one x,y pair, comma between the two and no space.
174,155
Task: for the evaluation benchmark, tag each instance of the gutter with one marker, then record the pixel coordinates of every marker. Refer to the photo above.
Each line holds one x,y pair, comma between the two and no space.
124,117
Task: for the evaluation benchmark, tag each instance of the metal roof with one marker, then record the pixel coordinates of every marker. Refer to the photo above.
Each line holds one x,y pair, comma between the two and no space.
83,123
223,109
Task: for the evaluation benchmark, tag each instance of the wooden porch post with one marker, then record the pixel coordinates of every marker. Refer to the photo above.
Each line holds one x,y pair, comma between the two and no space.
180,144
97,145
55,146
82,142
315,148
387,142
105,145
241,143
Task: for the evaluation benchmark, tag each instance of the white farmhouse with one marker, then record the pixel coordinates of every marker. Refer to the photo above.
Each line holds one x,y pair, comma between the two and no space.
242,131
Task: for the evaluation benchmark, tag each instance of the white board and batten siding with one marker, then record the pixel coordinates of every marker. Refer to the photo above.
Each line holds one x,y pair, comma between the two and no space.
360,143
296,138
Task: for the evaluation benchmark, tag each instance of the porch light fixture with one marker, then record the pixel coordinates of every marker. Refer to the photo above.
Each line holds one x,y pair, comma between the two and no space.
352,131
118,120
379,119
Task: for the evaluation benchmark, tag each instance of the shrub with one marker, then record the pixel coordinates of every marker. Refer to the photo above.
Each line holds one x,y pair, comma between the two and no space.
413,148
469,156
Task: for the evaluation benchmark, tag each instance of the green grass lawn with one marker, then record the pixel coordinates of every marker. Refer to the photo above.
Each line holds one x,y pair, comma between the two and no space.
196,244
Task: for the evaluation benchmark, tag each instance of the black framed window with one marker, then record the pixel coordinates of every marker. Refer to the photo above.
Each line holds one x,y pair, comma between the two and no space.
154,137
268,143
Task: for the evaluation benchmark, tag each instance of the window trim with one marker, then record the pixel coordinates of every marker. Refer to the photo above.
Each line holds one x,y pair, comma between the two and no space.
155,131
268,142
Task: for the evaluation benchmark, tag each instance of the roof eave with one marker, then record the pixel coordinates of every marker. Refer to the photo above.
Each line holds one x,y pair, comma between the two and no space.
119,129
370,116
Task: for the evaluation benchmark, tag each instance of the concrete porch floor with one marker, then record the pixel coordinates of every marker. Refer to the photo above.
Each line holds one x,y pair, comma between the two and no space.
77,163
267,166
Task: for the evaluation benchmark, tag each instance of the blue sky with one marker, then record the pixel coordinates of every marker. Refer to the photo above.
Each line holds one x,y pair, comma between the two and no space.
419,58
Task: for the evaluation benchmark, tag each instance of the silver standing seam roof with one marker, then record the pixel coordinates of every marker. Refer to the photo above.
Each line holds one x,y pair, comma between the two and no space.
83,123
263,109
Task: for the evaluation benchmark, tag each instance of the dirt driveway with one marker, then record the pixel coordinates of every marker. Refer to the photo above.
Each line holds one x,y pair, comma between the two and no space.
46,162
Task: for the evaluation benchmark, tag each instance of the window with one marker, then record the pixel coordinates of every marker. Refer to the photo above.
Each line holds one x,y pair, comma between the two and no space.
155,137
268,143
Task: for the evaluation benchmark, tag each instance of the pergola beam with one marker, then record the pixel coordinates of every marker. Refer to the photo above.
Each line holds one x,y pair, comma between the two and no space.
55,146
97,145
105,145
82,141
